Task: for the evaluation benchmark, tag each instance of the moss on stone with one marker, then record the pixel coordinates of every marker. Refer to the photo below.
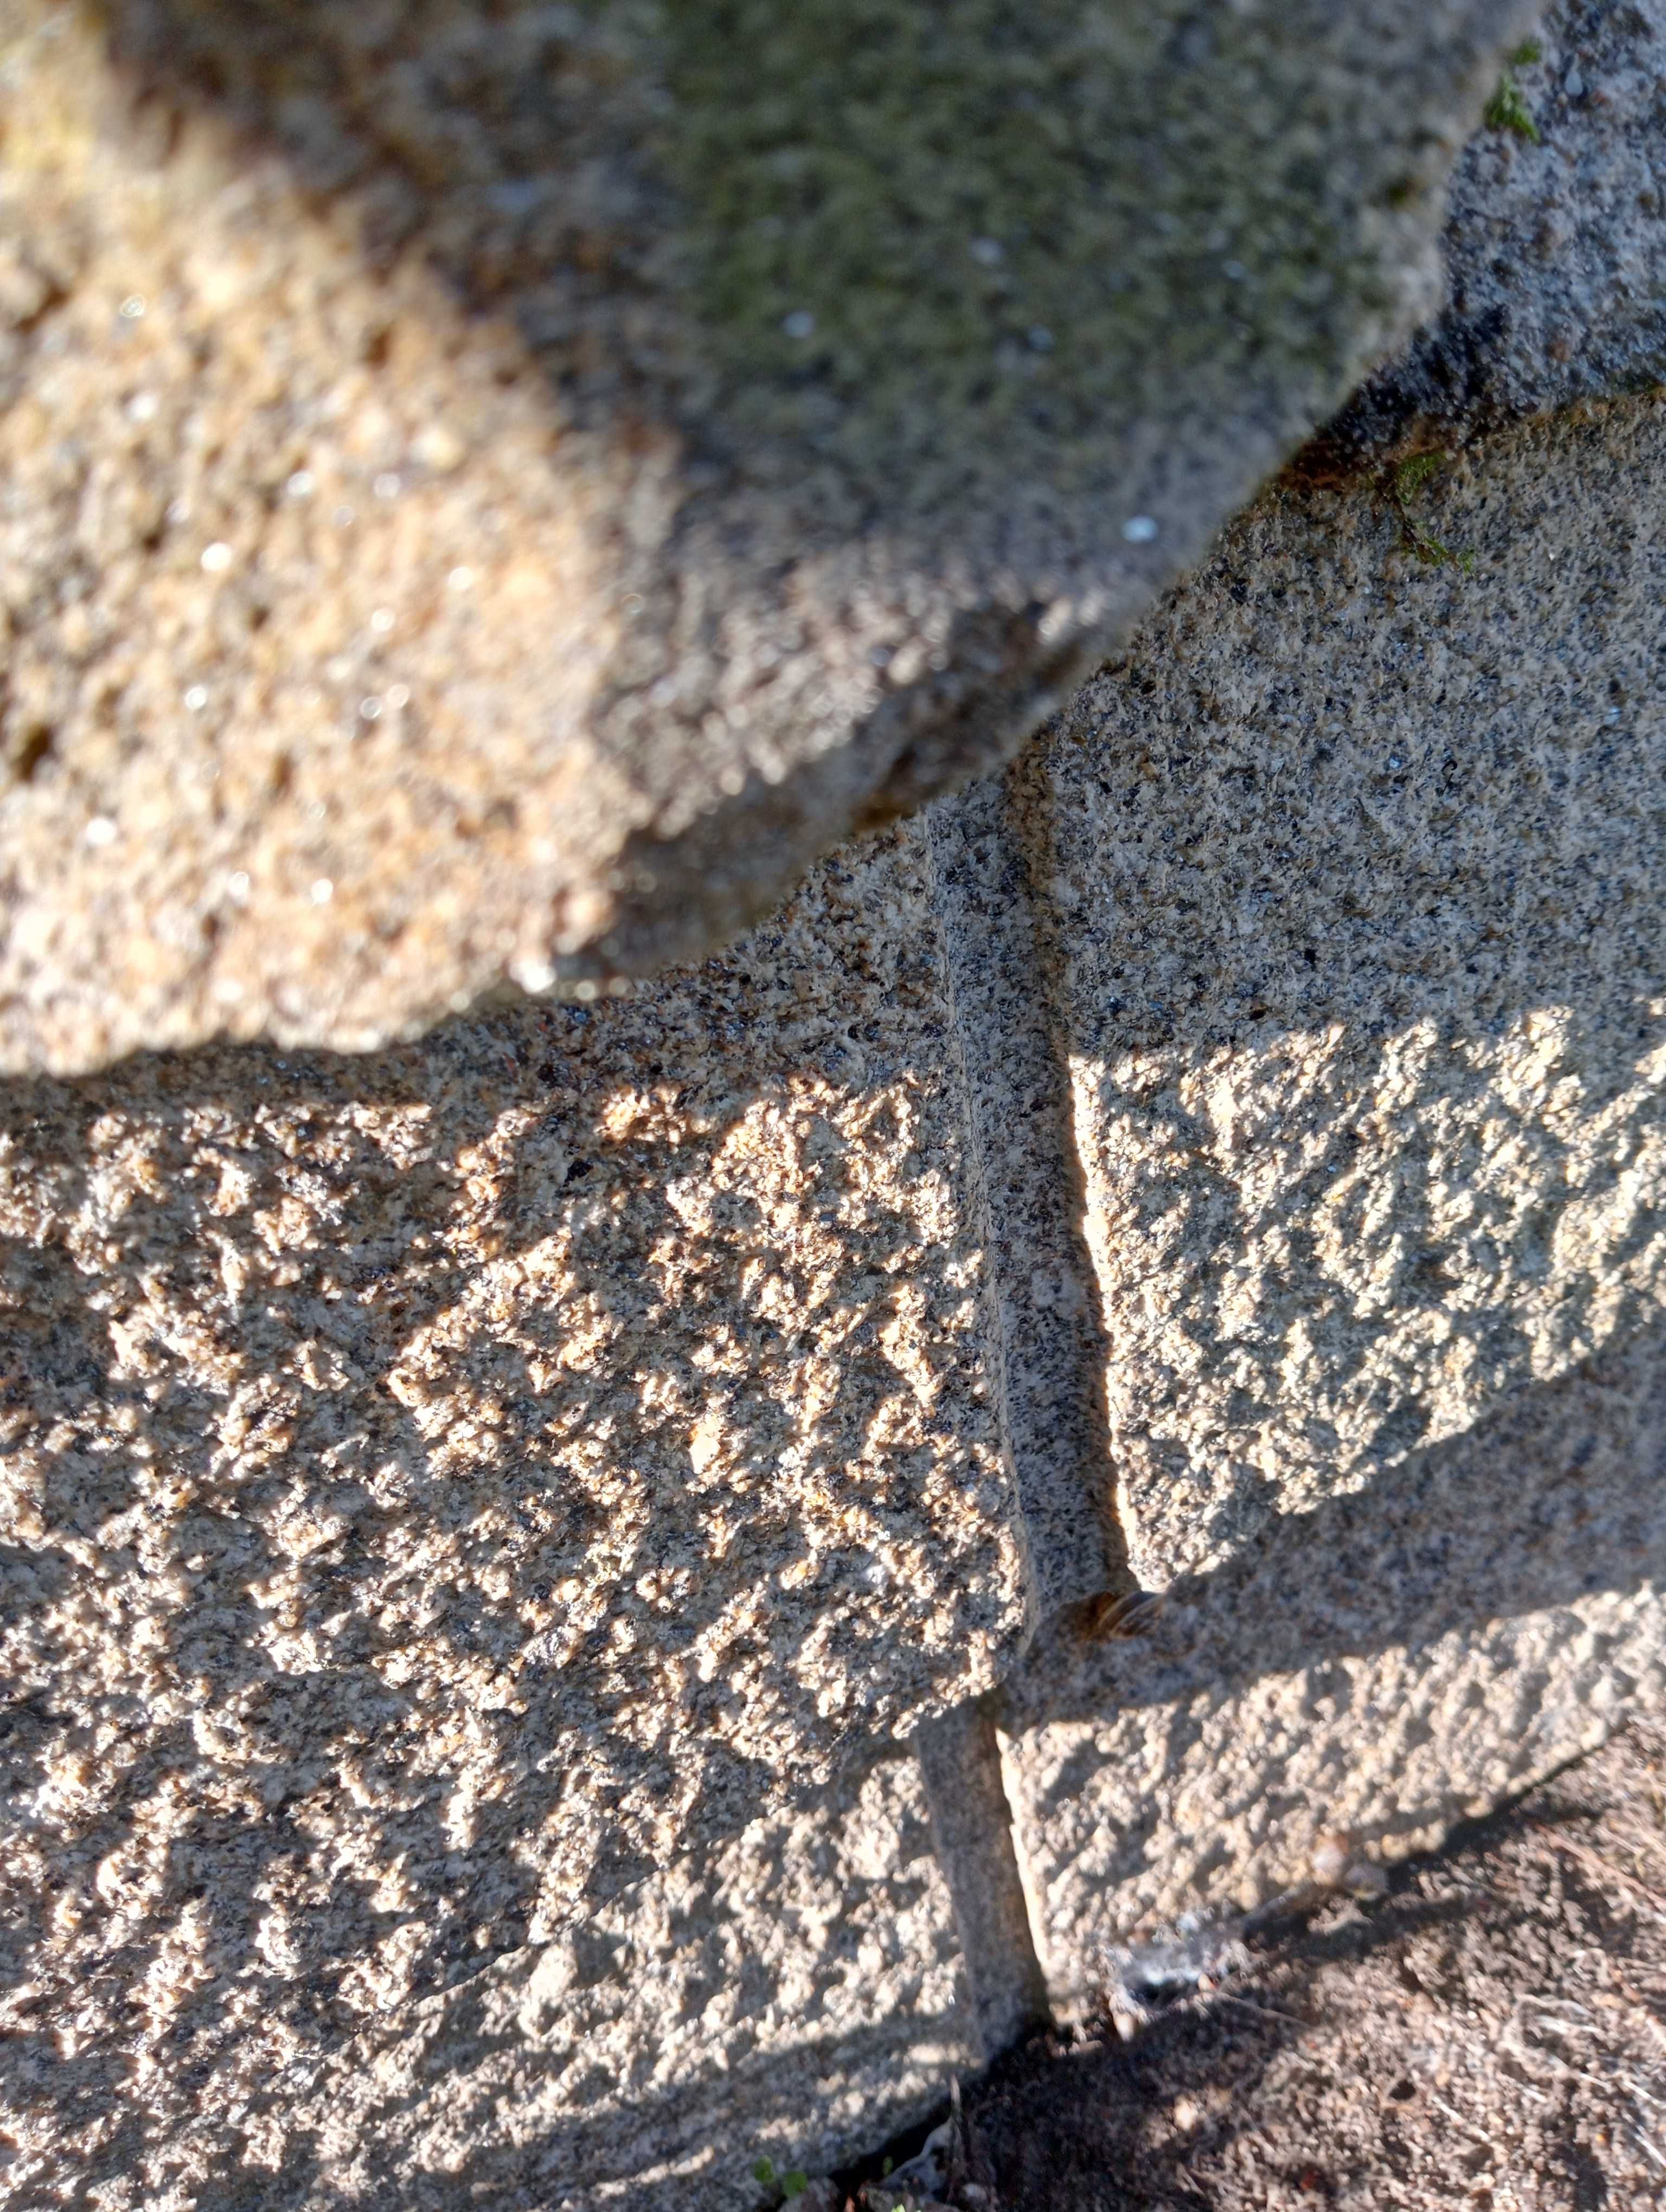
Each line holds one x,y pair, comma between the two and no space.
1508,111
1409,476
909,217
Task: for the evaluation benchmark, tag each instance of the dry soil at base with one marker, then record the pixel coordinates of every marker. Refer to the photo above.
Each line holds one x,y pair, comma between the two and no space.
1491,2033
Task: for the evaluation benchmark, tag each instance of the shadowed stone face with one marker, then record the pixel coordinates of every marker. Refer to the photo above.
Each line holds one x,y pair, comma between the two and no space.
495,490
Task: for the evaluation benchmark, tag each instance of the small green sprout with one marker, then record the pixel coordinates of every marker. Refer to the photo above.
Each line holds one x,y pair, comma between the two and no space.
790,2184
1409,476
1417,469
1507,110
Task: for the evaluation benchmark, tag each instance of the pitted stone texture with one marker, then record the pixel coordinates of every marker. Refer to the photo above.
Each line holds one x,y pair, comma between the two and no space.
1363,984
1555,246
443,1488
494,489
793,1995
1368,1672
1357,869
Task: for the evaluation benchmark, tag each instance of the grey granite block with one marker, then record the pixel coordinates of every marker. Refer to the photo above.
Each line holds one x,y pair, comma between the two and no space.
1362,985
449,1493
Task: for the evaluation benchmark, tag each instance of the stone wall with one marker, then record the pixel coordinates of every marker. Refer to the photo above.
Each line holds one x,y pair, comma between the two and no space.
1368,1102
626,1585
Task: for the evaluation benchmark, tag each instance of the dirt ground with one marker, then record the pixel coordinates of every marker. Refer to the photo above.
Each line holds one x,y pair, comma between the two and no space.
1488,2032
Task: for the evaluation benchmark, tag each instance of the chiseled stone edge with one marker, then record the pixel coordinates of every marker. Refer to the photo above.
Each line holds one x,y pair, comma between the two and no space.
976,1841
1047,1355
1047,1345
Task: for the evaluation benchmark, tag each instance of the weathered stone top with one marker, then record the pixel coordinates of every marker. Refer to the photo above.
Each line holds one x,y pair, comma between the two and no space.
491,491
1554,244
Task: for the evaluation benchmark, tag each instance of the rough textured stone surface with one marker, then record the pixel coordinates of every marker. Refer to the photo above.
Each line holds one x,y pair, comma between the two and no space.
1362,983
1555,245
791,1995
491,490
446,1488
1371,1671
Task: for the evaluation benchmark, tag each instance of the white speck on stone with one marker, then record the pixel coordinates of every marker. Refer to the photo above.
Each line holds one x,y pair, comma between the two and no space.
988,251
438,449
398,696
1573,84
323,891
216,558
586,991
343,518
370,710
227,990
1330,1860
177,511
301,484
132,308
100,830
197,697
533,975
387,485
461,579
382,621
141,407
800,324
1395,760
237,883
1140,528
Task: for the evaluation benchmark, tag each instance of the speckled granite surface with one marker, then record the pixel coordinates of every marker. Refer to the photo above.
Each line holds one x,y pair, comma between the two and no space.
1361,982
483,1519
1554,244
445,1490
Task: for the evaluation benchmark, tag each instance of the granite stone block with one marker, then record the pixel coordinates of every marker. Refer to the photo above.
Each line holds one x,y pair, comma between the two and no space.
1554,246
1358,969
447,1491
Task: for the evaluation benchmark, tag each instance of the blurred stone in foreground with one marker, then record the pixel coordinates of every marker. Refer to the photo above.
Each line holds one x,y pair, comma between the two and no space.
491,491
